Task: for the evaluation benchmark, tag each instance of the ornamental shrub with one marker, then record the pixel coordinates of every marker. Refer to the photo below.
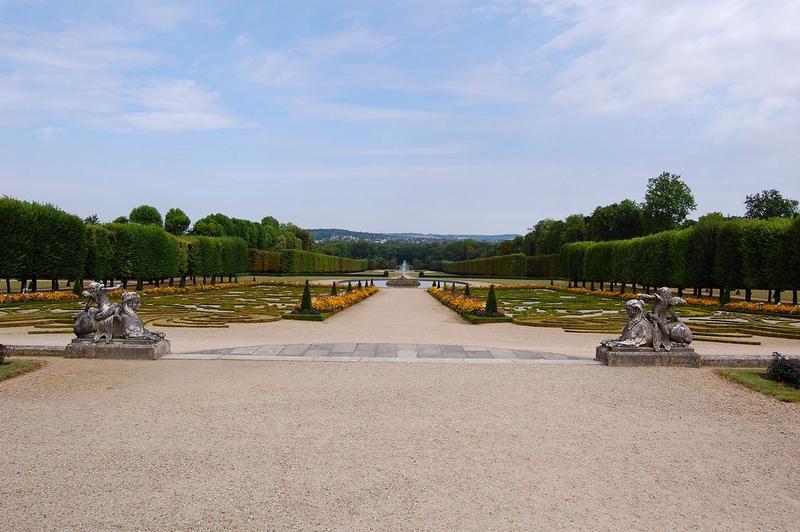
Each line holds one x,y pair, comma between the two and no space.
3,353
305,301
359,284
491,302
784,370
334,290
466,290
349,287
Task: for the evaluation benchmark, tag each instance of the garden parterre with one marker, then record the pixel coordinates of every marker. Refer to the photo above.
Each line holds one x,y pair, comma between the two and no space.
193,306
581,310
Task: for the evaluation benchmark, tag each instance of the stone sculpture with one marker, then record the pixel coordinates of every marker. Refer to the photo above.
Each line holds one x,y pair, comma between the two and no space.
109,321
660,329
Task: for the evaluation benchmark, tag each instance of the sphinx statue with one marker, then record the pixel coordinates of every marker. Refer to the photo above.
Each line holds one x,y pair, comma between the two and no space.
103,320
660,329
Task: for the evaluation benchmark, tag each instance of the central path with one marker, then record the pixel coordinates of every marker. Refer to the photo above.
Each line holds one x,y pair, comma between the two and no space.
392,316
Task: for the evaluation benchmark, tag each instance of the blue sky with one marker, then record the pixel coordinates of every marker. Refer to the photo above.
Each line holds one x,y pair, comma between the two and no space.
434,116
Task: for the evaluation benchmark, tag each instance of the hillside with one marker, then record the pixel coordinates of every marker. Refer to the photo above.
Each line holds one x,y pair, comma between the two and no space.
326,235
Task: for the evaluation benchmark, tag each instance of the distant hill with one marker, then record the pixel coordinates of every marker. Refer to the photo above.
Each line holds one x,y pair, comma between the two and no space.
326,235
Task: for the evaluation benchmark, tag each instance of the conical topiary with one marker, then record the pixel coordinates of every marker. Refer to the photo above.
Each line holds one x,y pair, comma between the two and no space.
334,290
466,290
372,282
359,285
491,301
349,287
305,302
77,287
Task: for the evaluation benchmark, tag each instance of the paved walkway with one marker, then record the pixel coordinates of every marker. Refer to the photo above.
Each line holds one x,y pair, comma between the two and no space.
381,351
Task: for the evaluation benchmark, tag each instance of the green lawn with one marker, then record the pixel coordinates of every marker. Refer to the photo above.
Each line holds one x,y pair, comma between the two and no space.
14,368
755,380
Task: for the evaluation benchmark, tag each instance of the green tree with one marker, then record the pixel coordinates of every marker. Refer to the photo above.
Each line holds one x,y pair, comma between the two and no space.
491,301
146,215
667,203
334,290
176,221
616,221
120,220
769,204
91,220
305,302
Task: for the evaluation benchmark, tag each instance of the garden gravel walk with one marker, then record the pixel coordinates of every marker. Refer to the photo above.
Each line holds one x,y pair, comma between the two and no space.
109,444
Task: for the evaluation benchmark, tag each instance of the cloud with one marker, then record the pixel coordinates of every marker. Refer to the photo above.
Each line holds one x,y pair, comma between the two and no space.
178,105
361,113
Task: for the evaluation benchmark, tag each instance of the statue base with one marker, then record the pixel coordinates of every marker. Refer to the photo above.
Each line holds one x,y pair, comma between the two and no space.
128,348
647,356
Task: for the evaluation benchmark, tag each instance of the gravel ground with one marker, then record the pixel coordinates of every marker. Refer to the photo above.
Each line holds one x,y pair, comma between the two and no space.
233,444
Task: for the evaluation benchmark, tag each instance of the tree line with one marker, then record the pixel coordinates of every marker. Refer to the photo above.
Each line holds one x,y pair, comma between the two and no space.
43,242
716,253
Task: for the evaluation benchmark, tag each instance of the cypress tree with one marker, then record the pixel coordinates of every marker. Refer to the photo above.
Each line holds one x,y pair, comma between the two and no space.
466,290
371,282
349,287
334,290
491,301
305,302
359,285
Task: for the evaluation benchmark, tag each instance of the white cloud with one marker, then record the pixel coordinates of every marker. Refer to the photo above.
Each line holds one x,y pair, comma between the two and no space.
361,113
178,105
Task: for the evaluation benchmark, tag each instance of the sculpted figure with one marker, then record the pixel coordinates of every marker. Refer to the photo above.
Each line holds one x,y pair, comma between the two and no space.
131,324
103,320
637,332
667,328
99,320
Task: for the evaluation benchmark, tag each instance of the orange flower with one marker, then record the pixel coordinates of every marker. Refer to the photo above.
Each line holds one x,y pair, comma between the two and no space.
342,301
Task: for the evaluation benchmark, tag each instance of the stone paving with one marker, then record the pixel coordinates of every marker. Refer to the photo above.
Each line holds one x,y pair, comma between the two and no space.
381,352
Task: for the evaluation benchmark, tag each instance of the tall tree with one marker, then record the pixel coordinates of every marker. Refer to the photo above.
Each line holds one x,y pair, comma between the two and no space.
769,204
667,202
176,221
616,221
146,215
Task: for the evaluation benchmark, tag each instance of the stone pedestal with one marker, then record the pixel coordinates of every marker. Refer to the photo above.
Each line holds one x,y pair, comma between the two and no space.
130,348
647,356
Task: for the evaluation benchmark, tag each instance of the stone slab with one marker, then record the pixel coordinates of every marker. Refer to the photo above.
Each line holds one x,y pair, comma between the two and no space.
118,349
35,351
647,356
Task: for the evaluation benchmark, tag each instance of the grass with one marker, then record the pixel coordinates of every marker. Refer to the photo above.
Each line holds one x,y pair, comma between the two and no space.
15,368
755,380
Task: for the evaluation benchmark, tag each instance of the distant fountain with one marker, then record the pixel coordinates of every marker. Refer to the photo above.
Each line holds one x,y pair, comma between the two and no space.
403,279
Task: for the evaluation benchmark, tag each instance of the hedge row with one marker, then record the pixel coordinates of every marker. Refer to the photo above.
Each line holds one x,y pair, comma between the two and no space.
259,261
40,241
514,265
134,251
726,254
543,266
300,262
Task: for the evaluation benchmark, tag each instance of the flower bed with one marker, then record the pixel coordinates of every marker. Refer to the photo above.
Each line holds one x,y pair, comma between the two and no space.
65,295
467,306
326,306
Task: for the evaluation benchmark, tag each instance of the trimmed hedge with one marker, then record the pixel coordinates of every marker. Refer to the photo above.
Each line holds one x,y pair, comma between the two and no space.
543,266
736,253
259,261
40,241
514,265
300,262
212,256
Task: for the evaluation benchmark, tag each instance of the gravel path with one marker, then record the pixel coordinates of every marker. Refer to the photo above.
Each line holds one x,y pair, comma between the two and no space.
400,316
199,444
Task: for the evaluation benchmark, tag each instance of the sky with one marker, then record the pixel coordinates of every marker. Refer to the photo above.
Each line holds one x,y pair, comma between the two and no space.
439,116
